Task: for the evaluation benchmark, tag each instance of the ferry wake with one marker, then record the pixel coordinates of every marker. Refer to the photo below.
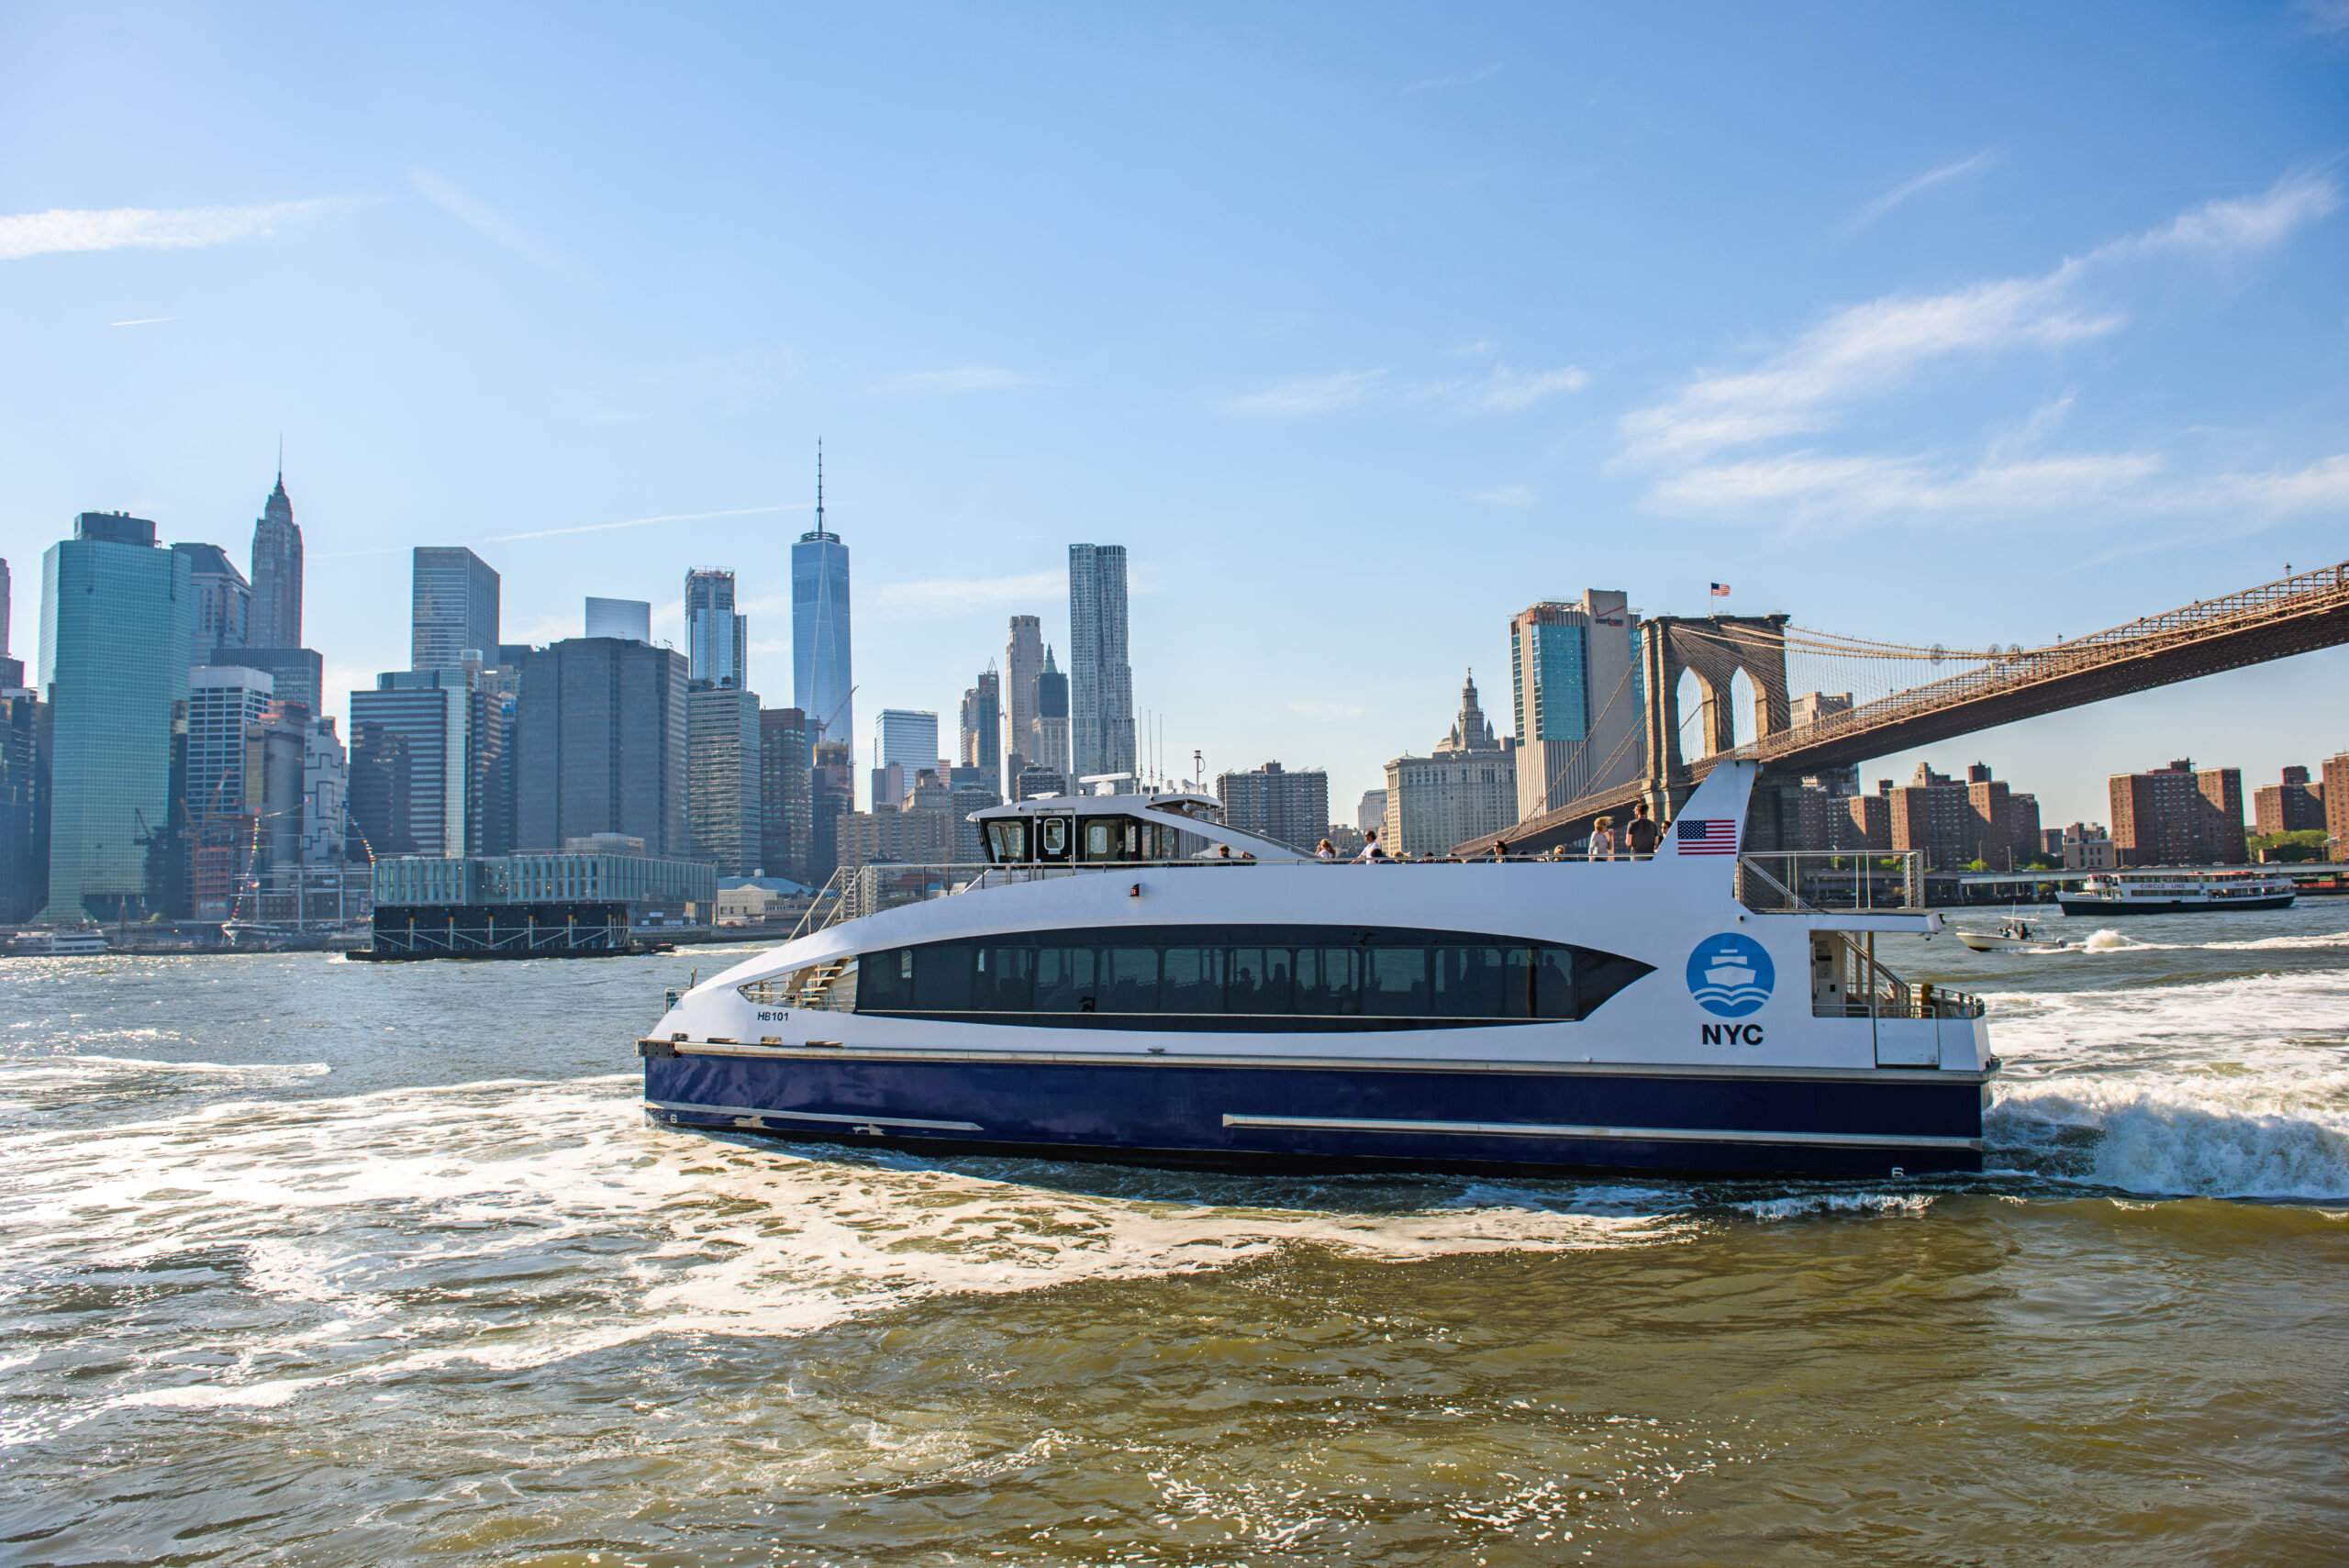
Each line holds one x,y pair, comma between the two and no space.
1104,989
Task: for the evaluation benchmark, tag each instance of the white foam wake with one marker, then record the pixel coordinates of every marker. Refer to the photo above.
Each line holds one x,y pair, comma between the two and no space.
514,1224
2216,1139
2225,1088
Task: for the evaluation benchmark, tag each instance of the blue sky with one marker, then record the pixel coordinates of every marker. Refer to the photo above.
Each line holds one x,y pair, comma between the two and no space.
1361,327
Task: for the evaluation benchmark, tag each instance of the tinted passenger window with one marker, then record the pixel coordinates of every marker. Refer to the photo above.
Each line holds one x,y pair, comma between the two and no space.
1193,981
1004,980
1064,980
1270,977
943,978
1399,983
1130,980
885,980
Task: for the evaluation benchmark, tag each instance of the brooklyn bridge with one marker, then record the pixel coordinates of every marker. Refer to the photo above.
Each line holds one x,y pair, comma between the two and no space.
1661,760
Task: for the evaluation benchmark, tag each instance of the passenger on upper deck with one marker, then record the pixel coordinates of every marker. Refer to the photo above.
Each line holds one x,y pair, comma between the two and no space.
1371,849
1602,839
1640,834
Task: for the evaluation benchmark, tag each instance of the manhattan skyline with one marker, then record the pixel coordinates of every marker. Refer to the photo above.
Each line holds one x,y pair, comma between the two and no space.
1399,333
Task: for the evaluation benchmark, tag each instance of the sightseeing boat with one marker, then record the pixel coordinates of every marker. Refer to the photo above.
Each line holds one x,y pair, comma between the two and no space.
1129,979
60,944
2178,892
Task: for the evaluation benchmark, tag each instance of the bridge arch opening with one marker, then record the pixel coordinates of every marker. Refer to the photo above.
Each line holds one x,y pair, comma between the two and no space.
1695,717
1744,697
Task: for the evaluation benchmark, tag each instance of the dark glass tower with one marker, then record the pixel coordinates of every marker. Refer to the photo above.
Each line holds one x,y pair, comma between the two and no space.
821,682
600,738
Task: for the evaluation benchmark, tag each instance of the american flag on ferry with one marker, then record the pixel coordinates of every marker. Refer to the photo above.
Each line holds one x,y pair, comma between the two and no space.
1720,590
1705,835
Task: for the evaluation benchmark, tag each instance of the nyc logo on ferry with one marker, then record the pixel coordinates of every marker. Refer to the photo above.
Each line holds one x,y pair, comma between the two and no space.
1730,975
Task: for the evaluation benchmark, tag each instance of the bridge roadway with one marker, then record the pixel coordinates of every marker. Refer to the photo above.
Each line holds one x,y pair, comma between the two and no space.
2293,615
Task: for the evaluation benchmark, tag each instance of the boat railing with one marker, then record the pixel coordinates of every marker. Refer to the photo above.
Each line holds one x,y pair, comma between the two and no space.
853,892
1849,982
1801,882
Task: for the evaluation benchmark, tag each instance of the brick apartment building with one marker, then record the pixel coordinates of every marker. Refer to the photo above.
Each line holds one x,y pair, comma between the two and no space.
2176,816
2336,802
2293,807
1957,822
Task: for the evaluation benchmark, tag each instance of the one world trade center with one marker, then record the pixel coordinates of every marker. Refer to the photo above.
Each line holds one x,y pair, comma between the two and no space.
821,685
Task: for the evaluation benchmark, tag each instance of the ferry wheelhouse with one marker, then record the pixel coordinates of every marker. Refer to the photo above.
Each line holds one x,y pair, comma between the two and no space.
1129,979
2177,891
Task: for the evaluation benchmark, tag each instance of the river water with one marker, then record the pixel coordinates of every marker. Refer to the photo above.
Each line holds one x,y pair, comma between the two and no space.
321,1262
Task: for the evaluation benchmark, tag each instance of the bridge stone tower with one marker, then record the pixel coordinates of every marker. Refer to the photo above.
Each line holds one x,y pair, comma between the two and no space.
1713,649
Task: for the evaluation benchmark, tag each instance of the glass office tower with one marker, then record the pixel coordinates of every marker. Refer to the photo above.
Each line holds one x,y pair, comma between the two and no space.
453,608
717,640
785,820
1577,699
1101,682
222,614
821,683
116,617
724,809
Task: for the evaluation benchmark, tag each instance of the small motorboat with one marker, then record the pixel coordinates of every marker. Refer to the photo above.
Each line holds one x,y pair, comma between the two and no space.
2012,936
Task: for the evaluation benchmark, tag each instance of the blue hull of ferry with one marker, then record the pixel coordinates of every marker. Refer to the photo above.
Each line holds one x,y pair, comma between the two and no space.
1335,1117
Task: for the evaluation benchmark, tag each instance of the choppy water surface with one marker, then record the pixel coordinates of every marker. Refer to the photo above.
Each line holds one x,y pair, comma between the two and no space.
320,1262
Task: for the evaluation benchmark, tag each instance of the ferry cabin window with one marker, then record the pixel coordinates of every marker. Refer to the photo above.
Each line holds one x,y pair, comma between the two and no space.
1008,842
1256,977
1108,838
1052,834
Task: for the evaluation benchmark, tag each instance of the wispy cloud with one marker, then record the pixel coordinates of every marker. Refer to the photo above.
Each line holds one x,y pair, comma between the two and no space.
1510,390
1505,495
1316,396
500,229
1503,389
1925,181
2245,223
962,378
2324,16
643,522
1817,490
1864,349
585,529
1865,352
149,228
143,321
960,596
1859,350
1458,79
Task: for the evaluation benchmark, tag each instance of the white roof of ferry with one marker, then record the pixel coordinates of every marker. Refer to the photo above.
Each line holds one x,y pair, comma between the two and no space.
1098,805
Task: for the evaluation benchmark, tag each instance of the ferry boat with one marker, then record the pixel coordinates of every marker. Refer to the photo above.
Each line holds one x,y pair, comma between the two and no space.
1104,989
2177,891
58,944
